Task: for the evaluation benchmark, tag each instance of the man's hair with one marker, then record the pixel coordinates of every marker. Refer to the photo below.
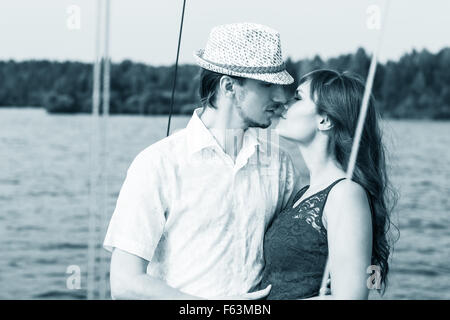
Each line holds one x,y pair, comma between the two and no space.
209,82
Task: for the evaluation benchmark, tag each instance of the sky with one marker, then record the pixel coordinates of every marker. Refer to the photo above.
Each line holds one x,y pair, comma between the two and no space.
147,30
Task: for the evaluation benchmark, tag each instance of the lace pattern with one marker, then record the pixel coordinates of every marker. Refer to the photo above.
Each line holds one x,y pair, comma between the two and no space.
296,248
310,210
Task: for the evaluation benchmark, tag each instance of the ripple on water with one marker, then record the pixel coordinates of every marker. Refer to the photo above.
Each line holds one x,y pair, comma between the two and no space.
62,294
64,246
46,261
13,182
30,228
418,272
436,226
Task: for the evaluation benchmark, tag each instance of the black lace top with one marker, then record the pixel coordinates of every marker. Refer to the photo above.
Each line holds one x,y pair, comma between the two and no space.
296,248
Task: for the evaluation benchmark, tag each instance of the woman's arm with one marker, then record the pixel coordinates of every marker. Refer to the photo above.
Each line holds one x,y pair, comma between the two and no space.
129,280
349,226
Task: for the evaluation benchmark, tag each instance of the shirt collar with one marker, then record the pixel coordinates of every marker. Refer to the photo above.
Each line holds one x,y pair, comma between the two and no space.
200,137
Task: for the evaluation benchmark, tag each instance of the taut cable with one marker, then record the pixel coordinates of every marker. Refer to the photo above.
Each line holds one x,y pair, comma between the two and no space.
176,68
358,131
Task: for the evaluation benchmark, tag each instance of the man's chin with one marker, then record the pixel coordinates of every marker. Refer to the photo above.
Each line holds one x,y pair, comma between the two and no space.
260,125
265,125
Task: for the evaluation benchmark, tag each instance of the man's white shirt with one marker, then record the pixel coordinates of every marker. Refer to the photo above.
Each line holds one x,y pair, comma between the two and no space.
198,216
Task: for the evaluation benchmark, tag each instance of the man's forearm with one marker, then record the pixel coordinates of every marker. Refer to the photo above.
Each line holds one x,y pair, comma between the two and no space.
145,287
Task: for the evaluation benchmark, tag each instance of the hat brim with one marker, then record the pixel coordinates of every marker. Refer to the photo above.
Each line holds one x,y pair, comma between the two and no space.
282,77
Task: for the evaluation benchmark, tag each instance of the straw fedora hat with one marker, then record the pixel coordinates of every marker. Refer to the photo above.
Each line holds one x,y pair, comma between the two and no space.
245,50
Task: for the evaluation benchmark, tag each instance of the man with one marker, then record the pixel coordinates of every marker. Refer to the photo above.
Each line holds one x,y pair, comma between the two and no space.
191,215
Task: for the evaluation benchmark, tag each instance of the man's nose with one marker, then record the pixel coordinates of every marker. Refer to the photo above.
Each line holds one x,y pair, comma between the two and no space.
279,94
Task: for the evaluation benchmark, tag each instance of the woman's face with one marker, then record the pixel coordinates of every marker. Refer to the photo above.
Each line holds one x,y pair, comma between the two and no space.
301,119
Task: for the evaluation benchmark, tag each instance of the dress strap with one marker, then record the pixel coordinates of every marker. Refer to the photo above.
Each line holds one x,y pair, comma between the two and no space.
299,194
334,183
328,189
323,194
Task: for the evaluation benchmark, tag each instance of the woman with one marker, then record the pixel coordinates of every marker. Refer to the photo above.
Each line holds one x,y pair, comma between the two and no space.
345,220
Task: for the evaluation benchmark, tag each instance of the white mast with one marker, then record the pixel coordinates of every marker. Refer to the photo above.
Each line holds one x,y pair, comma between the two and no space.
98,148
103,265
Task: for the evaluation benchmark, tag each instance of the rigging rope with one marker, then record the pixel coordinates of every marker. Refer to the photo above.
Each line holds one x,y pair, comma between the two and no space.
176,68
358,132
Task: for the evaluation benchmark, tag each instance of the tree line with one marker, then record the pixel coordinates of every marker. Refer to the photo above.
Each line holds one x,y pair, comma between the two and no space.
415,86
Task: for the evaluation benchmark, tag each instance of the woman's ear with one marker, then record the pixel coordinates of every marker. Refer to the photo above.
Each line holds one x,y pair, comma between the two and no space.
324,123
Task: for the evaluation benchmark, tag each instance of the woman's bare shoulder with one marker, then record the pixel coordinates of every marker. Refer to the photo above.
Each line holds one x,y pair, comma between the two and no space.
347,190
347,199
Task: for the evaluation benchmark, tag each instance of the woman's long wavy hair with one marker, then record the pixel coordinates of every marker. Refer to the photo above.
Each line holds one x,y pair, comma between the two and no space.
339,96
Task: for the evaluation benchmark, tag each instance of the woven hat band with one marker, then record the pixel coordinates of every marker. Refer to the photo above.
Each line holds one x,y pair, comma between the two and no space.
246,69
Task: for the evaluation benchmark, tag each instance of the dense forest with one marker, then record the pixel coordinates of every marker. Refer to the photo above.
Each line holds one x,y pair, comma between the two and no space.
415,86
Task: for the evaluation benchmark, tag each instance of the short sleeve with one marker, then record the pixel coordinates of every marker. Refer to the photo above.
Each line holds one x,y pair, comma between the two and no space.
138,220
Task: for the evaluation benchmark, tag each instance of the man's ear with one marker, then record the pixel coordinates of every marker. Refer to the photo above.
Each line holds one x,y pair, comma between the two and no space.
226,86
324,122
